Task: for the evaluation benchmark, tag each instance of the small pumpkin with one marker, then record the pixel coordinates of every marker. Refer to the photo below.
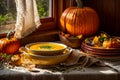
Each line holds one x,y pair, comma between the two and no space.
79,20
9,45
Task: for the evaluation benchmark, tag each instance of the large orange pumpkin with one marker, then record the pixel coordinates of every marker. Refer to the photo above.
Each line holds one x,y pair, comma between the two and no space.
9,45
79,20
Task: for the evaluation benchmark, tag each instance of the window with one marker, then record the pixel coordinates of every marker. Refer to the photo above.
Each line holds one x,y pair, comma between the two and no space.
44,8
7,7
7,16
49,17
7,11
49,12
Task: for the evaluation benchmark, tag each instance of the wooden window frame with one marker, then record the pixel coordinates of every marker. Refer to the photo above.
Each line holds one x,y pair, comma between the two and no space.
53,23
49,23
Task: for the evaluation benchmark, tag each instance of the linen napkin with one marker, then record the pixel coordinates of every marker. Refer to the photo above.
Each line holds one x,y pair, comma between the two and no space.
82,59
27,18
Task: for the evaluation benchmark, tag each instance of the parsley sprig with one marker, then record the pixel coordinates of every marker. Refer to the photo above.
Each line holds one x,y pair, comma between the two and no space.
46,47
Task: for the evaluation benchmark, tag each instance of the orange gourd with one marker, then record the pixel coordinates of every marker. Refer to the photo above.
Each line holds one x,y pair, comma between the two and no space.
79,20
9,45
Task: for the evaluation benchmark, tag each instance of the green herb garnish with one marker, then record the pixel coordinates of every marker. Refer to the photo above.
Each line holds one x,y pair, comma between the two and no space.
46,47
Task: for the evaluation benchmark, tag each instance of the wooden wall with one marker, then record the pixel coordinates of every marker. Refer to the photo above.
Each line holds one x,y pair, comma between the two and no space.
109,13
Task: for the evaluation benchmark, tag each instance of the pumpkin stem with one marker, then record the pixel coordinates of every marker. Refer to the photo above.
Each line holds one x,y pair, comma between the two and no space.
9,34
79,3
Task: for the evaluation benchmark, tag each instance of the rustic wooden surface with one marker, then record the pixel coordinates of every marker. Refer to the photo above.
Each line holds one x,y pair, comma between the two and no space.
109,13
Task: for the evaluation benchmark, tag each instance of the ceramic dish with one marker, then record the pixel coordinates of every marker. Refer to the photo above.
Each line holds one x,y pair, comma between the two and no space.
107,57
71,42
99,50
45,48
47,60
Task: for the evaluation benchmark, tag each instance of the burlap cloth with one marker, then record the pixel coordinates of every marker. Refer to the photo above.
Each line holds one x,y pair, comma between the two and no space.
80,58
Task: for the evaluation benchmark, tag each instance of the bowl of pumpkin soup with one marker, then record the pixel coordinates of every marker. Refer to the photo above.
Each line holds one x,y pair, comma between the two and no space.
45,48
44,60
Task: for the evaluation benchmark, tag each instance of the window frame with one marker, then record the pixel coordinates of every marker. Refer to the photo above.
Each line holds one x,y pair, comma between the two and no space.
49,23
53,23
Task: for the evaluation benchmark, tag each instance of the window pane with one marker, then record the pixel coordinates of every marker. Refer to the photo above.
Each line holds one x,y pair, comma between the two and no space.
44,8
7,11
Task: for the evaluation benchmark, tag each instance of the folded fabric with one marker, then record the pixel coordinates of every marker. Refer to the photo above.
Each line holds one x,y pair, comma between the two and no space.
80,58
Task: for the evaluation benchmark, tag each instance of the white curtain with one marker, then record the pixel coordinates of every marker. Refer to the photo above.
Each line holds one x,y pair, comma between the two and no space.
27,18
